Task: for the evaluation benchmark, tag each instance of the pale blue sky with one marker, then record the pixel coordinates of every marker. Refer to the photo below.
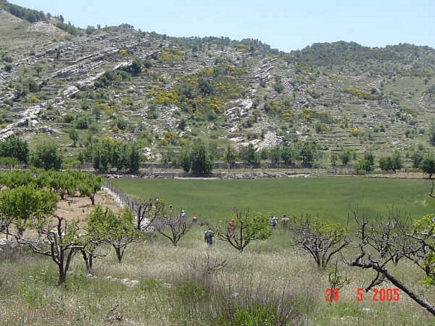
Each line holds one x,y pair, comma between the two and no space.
283,24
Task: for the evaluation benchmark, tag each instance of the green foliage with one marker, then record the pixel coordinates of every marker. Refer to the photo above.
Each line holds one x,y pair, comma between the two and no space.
256,314
230,156
205,93
69,28
278,87
201,160
287,155
363,166
24,206
249,227
112,153
362,94
14,147
391,163
427,165
249,155
88,185
321,240
116,229
32,16
306,152
345,156
16,178
195,158
47,156
74,136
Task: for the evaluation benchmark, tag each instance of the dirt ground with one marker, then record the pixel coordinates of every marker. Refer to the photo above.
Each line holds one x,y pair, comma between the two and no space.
81,207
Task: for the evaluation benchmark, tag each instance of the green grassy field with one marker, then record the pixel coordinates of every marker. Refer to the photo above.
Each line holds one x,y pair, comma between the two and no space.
330,198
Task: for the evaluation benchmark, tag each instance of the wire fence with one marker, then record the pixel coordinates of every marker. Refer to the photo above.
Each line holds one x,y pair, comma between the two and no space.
121,197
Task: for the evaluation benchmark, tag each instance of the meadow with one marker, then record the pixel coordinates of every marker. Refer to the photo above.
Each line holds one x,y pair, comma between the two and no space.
271,283
329,198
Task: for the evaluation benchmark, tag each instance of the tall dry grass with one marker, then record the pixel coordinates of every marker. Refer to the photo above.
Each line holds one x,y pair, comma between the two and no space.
175,286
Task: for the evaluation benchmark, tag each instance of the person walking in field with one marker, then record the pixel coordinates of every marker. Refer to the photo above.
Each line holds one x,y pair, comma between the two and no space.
285,221
231,226
208,237
273,222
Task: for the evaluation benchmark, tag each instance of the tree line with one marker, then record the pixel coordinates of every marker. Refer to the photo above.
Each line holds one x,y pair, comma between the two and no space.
198,157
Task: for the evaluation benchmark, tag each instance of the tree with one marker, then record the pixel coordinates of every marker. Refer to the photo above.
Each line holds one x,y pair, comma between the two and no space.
16,178
38,69
391,163
248,154
334,159
13,146
172,228
47,156
427,165
363,166
111,153
230,156
118,230
88,185
135,67
275,154
61,241
387,243
287,155
307,153
24,206
397,161
432,132
319,239
345,157
201,159
135,159
146,212
60,183
185,159
249,227
74,136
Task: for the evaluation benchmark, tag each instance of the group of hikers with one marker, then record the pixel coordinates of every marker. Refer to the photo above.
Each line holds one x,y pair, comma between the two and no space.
273,220
209,235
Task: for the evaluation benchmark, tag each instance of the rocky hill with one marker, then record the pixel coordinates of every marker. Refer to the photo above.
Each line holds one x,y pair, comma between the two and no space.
163,92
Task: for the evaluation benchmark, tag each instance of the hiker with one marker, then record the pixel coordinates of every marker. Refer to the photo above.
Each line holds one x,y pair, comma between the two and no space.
208,237
285,221
194,219
171,211
182,214
231,226
273,221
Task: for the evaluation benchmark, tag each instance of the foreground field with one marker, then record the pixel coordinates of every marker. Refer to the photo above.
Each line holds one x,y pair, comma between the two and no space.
173,289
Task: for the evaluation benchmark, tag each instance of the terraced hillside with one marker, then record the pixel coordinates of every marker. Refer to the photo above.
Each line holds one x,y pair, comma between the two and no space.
164,92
